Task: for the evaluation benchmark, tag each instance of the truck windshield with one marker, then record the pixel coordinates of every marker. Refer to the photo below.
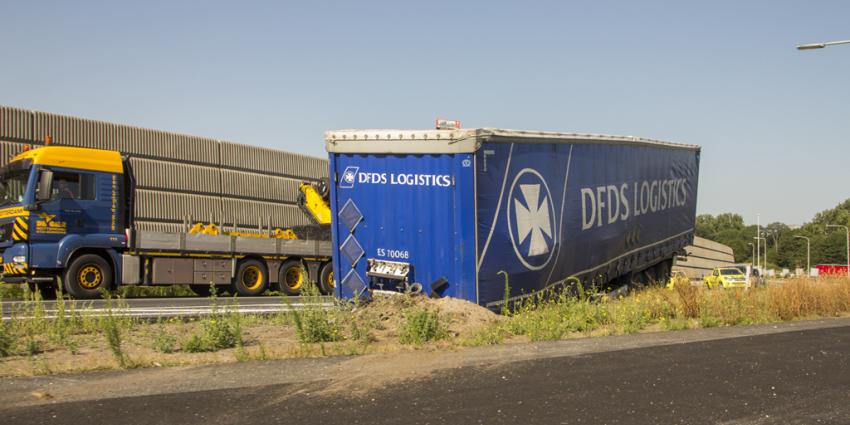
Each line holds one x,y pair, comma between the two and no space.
727,272
13,184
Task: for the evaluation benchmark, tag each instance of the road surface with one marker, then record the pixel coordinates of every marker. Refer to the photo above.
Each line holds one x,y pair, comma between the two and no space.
777,374
162,307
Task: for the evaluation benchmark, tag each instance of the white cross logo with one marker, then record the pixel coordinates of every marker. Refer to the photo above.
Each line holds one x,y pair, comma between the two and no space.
531,214
533,220
349,176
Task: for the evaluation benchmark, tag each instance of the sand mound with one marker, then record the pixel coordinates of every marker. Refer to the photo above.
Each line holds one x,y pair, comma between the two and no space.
461,317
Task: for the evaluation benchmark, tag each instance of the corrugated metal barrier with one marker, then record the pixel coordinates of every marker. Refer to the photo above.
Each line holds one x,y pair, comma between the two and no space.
127,139
8,150
155,226
170,206
164,175
15,123
180,175
244,157
240,184
252,214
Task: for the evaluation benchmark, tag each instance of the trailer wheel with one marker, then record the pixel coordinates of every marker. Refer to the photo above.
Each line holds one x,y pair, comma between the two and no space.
251,279
293,276
86,276
326,279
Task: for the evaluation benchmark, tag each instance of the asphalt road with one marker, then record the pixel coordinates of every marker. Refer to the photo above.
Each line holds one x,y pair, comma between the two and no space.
161,307
776,378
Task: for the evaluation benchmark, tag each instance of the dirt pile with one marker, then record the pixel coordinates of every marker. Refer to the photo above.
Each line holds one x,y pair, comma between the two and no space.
387,314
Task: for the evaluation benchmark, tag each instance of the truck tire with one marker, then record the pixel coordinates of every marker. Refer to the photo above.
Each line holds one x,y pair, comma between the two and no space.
293,276
326,279
251,279
86,276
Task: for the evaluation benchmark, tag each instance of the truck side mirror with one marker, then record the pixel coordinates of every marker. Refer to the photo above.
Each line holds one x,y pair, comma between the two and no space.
45,183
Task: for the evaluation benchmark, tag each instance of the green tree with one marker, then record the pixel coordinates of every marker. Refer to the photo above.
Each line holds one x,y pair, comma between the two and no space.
828,246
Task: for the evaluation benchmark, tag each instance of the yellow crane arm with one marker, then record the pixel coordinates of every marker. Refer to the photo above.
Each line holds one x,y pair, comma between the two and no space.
314,202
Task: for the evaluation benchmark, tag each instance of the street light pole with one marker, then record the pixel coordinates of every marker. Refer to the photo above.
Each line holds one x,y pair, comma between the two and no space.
813,46
764,235
758,241
808,254
758,252
847,246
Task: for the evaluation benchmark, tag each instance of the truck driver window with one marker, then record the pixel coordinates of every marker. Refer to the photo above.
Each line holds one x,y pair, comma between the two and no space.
72,186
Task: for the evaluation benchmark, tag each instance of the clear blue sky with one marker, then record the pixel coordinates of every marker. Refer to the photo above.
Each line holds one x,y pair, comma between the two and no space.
774,122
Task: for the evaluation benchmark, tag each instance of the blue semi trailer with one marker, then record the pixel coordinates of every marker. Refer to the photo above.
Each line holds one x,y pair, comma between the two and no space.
457,212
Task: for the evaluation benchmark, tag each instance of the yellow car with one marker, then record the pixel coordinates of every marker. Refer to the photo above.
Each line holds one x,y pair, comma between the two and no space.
677,276
726,277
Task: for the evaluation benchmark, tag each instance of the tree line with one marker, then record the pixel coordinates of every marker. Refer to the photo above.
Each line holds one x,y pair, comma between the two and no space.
828,246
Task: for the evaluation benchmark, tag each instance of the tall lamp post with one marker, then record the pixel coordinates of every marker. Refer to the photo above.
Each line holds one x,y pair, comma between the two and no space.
758,241
813,46
847,246
808,254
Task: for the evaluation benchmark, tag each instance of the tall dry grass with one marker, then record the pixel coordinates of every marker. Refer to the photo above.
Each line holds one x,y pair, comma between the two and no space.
682,306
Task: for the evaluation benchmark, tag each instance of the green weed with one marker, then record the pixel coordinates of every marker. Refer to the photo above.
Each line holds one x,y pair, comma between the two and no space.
164,342
420,326
112,333
6,339
490,335
217,332
314,324
33,346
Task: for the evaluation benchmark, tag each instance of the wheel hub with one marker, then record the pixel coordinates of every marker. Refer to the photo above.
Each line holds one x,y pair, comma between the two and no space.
90,277
294,278
252,278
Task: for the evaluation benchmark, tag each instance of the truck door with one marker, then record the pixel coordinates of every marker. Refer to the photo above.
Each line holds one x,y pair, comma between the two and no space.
68,209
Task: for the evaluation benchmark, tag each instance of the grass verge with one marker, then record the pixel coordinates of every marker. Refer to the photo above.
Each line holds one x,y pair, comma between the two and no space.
76,341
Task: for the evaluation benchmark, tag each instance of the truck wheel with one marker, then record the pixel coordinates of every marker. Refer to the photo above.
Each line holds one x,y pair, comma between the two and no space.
86,276
292,278
326,279
251,279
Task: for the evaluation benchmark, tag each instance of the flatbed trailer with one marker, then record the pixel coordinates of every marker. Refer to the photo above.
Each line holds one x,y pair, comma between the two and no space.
155,258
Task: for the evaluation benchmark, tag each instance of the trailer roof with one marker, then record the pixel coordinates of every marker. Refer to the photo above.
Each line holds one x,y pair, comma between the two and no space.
465,140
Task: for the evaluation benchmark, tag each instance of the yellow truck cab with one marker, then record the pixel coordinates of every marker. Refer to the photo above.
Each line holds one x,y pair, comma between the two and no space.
726,277
61,216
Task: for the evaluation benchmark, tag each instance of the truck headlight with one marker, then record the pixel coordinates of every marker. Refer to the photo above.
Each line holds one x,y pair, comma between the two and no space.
20,259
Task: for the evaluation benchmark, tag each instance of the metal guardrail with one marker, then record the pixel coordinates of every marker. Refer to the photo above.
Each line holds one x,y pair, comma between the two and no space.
154,308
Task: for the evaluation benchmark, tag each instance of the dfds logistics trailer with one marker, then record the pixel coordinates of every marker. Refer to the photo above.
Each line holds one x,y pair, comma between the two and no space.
67,215
459,212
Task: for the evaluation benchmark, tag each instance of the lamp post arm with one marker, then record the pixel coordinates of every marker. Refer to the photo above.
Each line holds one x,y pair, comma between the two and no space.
812,46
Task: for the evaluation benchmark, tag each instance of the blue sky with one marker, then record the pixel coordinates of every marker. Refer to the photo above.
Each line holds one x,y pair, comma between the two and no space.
773,121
